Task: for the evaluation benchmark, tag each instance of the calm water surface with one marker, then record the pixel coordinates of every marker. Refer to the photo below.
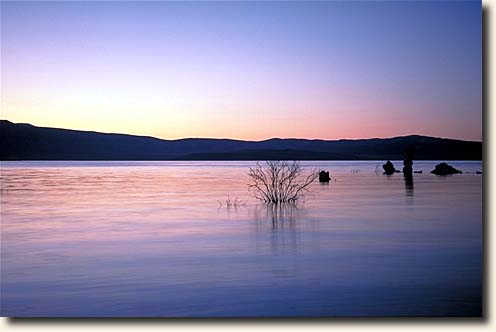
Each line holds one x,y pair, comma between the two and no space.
151,239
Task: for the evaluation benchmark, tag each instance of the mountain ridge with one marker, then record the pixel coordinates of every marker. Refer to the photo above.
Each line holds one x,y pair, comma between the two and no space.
23,141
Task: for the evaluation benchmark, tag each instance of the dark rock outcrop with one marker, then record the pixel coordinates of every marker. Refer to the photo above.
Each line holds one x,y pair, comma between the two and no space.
445,169
408,162
389,168
324,176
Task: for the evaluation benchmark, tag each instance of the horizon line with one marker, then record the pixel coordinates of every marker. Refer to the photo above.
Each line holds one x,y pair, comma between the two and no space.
242,140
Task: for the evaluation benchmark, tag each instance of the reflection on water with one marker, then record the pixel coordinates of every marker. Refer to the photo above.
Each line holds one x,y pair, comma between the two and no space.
143,239
408,184
278,224
280,215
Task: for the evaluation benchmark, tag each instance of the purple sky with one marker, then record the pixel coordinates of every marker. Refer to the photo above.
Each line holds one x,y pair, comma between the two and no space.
245,70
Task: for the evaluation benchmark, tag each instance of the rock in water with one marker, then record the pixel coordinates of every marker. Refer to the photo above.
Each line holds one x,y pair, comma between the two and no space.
324,176
445,169
408,162
389,168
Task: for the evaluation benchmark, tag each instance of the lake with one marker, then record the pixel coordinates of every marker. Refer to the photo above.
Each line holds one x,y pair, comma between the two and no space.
151,239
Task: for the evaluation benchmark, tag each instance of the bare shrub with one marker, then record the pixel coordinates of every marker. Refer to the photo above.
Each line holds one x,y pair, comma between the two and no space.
280,181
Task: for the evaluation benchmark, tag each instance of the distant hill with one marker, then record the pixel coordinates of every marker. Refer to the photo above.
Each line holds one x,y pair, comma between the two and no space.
28,142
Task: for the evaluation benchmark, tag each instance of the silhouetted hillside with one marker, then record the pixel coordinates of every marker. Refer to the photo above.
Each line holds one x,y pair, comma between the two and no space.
27,142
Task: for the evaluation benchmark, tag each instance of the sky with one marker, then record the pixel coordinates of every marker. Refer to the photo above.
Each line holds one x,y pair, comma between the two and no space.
245,70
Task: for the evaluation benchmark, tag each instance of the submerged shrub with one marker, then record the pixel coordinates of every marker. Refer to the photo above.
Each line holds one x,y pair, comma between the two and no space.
232,203
280,181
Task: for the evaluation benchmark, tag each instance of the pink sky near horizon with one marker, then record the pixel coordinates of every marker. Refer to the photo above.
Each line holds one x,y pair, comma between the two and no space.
245,71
